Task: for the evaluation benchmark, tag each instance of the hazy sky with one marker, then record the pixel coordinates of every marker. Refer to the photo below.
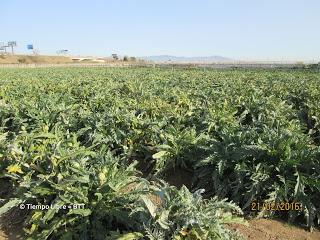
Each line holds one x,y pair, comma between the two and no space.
239,29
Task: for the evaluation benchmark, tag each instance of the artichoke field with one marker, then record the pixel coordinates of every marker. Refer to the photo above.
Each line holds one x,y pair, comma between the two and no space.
105,139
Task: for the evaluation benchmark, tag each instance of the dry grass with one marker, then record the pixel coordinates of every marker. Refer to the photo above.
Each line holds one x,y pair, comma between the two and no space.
27,59
43,59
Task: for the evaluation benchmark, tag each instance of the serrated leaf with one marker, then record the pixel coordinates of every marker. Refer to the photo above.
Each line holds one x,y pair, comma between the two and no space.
9,205
159,154
130,236
150,206
82,212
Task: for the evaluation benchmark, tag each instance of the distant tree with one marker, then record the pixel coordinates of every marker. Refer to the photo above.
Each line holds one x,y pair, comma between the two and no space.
125,58
22,60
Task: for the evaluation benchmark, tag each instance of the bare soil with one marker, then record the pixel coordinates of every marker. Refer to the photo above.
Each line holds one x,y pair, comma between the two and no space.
11,227
268,229
179,177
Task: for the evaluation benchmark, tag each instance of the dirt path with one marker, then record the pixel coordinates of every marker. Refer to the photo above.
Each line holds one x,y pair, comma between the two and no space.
266,229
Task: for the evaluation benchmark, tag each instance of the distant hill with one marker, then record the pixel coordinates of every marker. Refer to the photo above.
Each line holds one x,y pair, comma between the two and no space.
169,58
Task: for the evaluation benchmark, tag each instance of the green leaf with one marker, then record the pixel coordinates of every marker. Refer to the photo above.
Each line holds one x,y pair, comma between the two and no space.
164,220
45,135
9,205
82,212
130,236
150,206
49,214
159,154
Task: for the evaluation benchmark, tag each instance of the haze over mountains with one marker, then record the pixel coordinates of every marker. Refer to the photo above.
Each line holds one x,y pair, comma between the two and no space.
169,58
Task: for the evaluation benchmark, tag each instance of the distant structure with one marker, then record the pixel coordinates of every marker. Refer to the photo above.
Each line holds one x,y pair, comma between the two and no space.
2,48
115,56
88,59
36,52
62,52
11,44
31,48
